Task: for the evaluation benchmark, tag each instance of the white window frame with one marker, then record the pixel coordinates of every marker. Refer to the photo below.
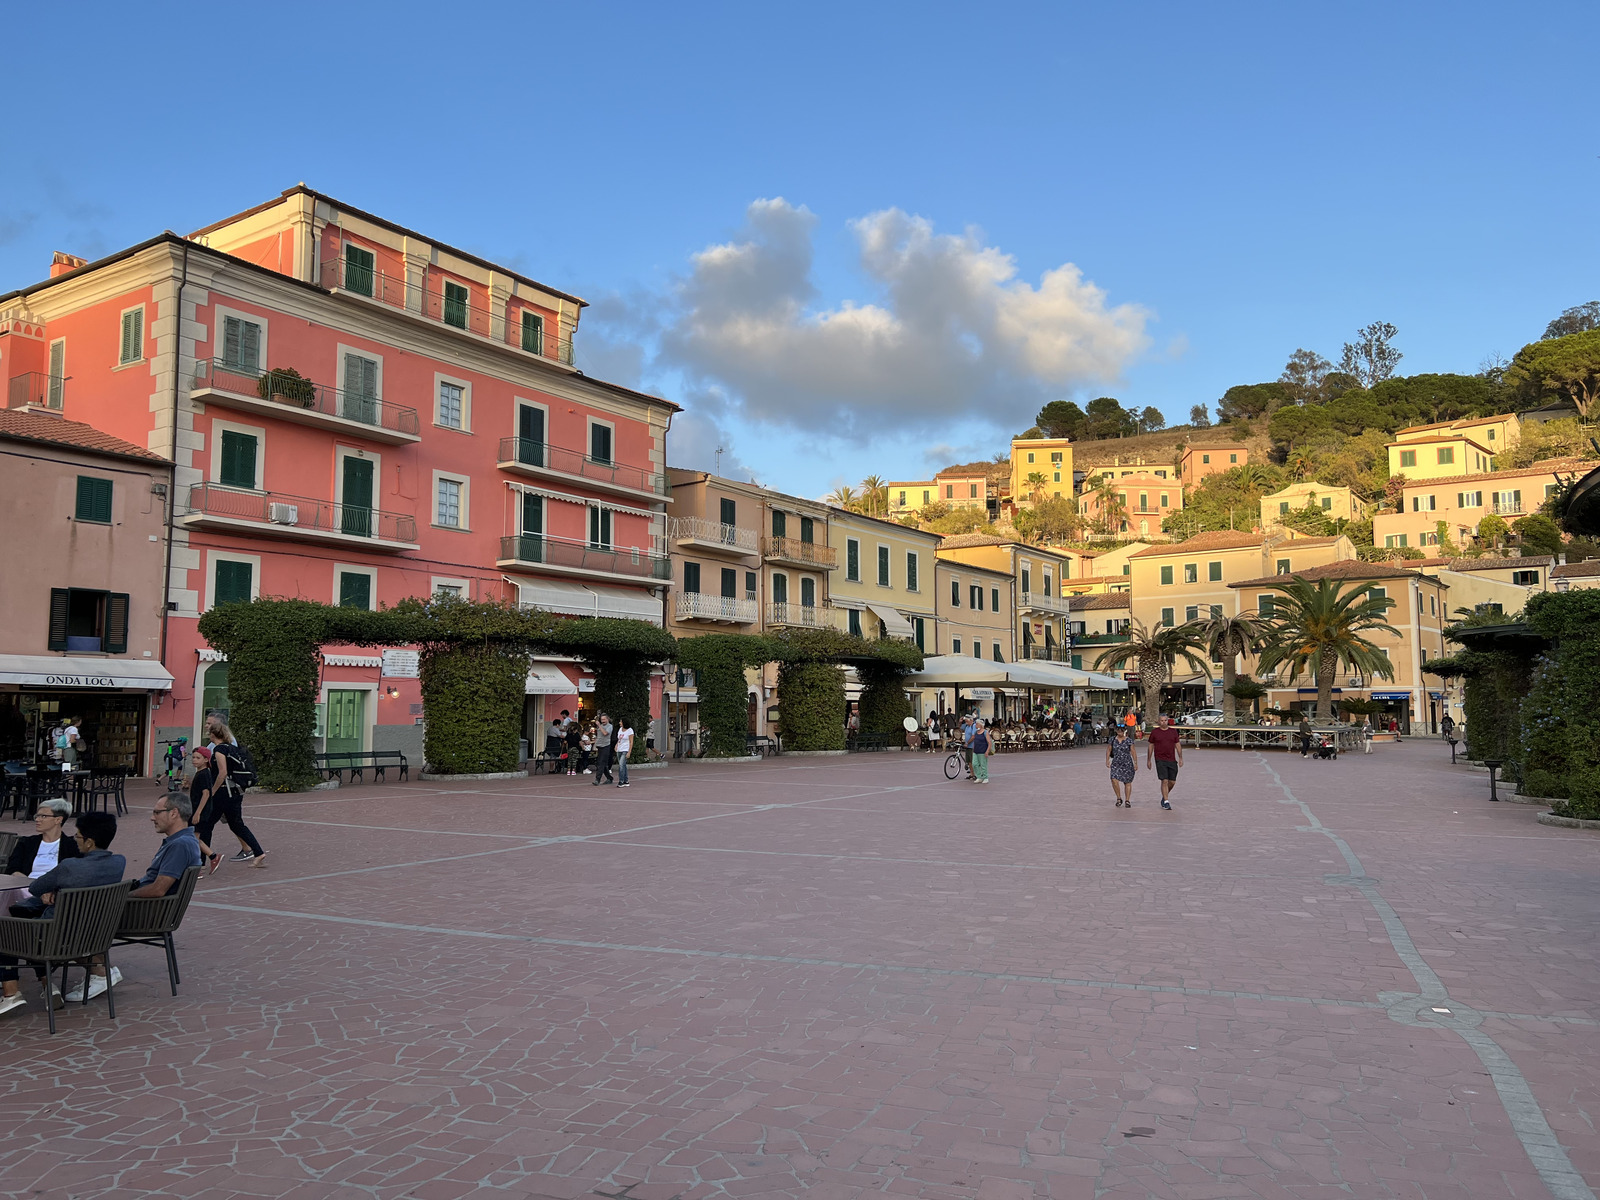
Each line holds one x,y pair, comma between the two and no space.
588,435
523,313
369,709
219,312
353,569
144,332
340,453
589,524
259,432
465,481
213,557
438,581
520,402
340,350
439,380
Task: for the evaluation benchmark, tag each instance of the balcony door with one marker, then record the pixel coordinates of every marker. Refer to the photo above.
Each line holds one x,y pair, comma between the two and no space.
531,543
355,516
808,592
530,435
360,389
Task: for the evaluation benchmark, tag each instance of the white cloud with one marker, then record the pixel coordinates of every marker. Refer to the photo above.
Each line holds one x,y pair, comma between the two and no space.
952,333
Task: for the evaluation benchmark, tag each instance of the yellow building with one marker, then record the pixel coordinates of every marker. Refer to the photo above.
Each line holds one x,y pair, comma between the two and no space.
976,609
1497,433
1336,503
1042,466
1040,612
884,583
1439,456
1193,580
907,497
1420,614
1462,501
1110,565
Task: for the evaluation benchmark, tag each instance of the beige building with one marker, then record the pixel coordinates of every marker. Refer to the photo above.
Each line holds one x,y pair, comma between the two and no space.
975,609
1098,621
82,593
714,541
1577,576
1335,502
1420,614
909,497
1119,468
1501,583
1039,613
1200,459
1494,433
1042,465
1195,579
1462,501
883,586
1110,569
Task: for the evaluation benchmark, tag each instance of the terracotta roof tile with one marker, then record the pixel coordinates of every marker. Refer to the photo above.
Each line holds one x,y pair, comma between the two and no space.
964,541
58,431
1494,564
1549,466
1586,569
1214,539
1101,600
1350,568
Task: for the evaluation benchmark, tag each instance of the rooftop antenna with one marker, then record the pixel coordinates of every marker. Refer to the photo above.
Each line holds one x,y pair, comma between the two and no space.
718,471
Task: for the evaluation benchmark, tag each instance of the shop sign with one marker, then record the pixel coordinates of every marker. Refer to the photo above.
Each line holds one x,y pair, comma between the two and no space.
586,685
93,681
402,664
978,693
1391,695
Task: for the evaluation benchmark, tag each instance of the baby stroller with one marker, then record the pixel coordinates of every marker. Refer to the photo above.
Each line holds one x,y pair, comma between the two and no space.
1325,747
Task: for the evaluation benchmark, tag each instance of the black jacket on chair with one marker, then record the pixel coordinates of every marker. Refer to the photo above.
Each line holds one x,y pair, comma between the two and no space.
26,849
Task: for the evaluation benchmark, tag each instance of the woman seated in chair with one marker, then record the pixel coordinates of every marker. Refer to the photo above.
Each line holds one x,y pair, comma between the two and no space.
34,855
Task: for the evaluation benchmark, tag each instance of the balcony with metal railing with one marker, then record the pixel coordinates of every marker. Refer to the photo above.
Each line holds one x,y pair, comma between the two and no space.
288,396
731,610
805,616
573,556
37,388
1051,653
1507,508
698,533
1045,602
443,305
541,460
797,553
300,518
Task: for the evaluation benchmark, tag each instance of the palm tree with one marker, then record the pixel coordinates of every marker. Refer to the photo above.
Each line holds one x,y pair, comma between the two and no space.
1225,639
1154,649
1036,482
844,496
1253,477
875,496
1317,626
1112,510
1298,462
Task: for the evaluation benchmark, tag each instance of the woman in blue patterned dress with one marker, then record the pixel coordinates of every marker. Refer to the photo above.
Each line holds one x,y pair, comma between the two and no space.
1124,765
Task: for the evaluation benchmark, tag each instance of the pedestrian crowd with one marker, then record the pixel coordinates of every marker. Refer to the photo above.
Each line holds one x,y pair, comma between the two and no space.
599,747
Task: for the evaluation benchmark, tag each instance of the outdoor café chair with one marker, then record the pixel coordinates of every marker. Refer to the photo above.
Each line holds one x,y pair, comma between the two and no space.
152,920
84,923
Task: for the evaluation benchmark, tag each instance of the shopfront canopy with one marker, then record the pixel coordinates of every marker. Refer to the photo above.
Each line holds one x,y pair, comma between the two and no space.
897,625
547,679
42,672
957,670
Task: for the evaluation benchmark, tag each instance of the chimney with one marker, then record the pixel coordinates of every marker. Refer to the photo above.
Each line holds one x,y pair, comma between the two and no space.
61,263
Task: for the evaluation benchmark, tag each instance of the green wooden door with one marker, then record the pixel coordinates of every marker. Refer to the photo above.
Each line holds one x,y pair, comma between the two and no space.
356,515
346,713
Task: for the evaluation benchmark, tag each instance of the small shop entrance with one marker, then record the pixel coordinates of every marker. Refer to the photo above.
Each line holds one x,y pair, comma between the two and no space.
346,727
110,724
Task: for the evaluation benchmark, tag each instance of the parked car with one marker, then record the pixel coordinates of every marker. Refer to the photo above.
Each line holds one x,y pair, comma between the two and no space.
1204,716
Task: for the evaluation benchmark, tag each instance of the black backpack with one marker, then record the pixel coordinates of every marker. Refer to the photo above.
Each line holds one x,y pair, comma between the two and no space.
241,766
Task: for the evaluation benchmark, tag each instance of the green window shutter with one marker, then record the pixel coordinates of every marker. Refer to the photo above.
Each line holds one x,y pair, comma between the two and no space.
855,623
355,589
780,524
911,572
1166,617
230,341
455,305
691,577
238,460
807,529
1214,572
94,500
730,583
233,582
59,606
117,623
532,332
358,273
1166,576
852,560
132,336
883,566
241,345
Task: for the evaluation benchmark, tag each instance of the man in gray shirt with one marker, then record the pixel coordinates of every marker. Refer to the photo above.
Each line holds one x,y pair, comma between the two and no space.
602,747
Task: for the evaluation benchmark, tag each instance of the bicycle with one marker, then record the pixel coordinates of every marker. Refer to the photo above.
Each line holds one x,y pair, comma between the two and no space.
955,765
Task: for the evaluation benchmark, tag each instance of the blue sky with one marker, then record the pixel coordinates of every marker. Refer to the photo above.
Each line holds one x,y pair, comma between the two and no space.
1227,183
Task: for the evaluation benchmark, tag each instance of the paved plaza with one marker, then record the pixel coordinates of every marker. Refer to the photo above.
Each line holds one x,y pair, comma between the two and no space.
835,977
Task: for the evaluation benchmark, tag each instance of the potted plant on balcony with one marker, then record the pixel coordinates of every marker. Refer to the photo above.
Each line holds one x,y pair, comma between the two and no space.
285,385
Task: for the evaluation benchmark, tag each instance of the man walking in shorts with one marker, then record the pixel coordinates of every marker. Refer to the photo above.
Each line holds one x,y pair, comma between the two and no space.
1164,749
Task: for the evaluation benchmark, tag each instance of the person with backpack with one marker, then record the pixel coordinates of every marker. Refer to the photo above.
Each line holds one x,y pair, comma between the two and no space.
234,771
978,744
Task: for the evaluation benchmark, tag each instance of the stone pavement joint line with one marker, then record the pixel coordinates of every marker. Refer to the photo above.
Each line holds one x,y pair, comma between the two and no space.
790,960
1544,1150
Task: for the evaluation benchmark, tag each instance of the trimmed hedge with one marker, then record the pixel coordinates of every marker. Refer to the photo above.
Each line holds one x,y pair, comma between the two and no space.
811,702
622,691
883,699
472,694
1561,715
719,661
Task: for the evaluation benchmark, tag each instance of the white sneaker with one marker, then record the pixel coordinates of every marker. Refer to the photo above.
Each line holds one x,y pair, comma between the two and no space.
8,1003
97,987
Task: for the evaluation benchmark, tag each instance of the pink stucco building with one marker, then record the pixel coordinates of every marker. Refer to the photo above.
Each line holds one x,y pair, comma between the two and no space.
356,413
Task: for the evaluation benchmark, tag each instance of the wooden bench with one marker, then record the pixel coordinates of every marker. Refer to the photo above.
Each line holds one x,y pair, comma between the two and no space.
357,762
863,742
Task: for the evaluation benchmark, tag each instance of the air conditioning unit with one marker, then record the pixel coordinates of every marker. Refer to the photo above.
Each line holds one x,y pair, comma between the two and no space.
283,514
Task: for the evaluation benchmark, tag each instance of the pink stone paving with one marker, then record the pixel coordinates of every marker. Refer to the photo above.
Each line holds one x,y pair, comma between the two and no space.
842,977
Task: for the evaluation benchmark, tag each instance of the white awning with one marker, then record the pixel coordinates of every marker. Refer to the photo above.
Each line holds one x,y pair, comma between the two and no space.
48,671
897,625
546,679
594,600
